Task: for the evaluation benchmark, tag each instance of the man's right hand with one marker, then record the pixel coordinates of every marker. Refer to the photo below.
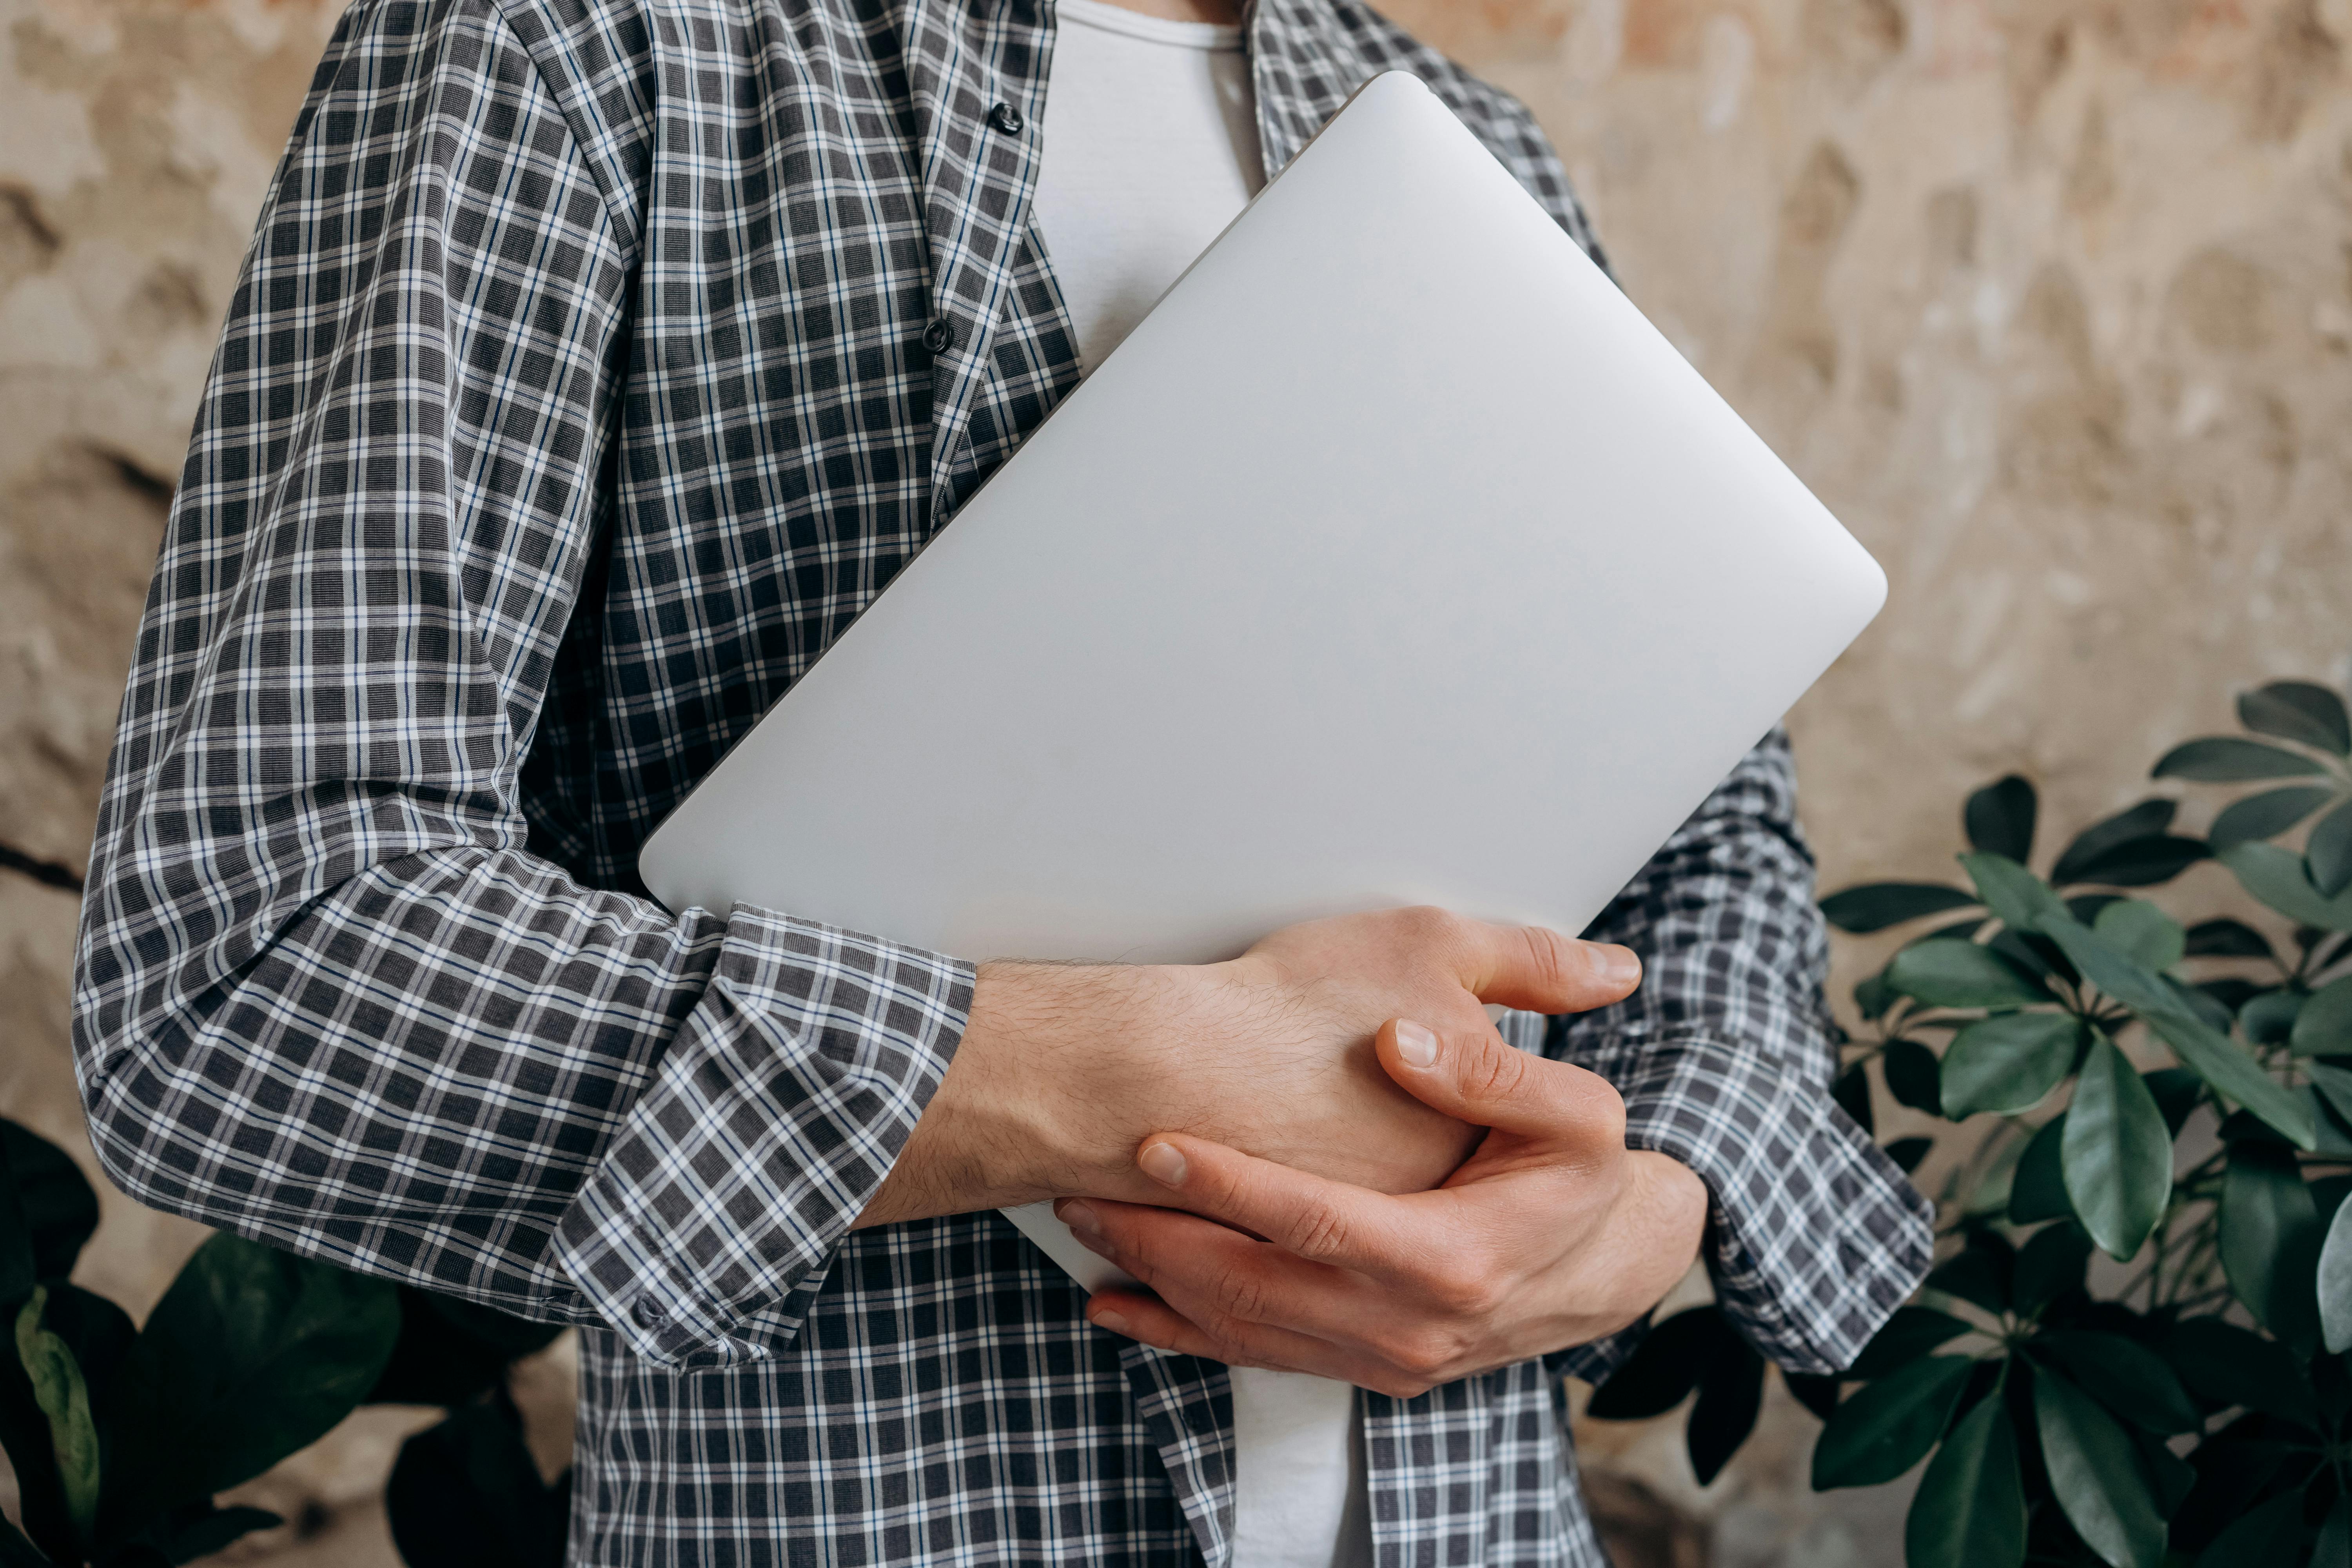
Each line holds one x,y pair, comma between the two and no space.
1065,1067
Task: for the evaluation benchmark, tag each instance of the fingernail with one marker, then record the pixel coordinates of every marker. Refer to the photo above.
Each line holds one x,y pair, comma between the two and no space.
1106,1319
1416,1045
1615,967
1081,1216
1163,1164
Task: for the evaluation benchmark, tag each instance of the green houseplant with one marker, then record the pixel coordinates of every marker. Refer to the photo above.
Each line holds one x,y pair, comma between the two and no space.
121,1438
2132,1348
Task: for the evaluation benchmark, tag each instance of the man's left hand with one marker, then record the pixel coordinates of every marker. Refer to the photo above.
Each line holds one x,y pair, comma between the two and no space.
1552,1233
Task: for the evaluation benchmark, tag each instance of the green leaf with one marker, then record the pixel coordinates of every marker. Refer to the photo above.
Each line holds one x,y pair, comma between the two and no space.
1887,1426
1664,1367
2298,710
2213,1056
2126,1377
2276,876
1851,1092
1906,1153
2224,1364
1874,906
251,1355
2323,1027
2265,815
1818,1394
2118,1154
2335,1282
2225,759
15,1551
1982,1273
58,1207
2021,899
1729,1397
2142,932
2149,817
2328,853
2177,1091
1904,1338
465,1494
2272,1533
211,1531
1948,973
2270,1240
2095,1472
1999,818
1911,1075
2049,1265
2008,1062
2227,938
2334,1549
65,1400
452,1352
2143,862
2269,1019
2333,1081
2039,1192
1970,1510
2169,1476
2334,1132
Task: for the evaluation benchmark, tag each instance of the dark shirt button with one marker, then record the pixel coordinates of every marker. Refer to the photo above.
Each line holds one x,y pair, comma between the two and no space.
1007,118
940,336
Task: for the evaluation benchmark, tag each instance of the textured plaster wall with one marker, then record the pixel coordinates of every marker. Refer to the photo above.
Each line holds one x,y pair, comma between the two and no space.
2049,299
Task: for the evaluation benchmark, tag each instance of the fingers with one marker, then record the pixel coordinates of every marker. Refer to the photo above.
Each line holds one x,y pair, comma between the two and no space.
1218,1280
1308,1216
1156,1323
1479,1078
1542,971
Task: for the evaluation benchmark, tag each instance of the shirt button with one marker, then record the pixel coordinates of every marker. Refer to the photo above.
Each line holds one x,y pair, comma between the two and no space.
940,336
1007,118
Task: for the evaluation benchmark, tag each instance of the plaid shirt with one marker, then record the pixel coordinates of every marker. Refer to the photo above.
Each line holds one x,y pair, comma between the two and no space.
595,363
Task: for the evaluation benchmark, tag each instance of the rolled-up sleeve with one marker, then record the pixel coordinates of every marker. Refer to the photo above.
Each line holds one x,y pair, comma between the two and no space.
327,994
1724,1058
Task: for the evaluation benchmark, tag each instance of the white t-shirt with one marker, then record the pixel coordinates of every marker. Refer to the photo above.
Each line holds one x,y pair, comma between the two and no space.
1150,147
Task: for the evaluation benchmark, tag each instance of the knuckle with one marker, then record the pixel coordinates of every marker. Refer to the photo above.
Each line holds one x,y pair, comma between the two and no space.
1601,1108
1465,1290
1423,1354
1497,1072
1426,925
1547,954
1319,1231
1237,1295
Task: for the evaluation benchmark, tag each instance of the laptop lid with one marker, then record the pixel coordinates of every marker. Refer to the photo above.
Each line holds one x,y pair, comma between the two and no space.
1394,558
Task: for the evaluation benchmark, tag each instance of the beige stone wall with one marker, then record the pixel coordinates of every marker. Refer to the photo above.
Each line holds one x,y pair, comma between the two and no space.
2049,299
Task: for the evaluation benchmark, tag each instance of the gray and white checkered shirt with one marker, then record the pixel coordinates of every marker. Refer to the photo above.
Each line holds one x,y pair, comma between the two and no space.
595,363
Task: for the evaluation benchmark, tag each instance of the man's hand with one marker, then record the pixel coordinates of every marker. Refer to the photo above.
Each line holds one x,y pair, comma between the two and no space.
1552,1234
1064,1069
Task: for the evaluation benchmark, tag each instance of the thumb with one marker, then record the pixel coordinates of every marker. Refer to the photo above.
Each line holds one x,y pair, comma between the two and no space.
1477,1077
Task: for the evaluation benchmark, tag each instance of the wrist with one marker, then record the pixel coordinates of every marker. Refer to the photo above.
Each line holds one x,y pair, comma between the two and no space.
1675,1202
1055,1063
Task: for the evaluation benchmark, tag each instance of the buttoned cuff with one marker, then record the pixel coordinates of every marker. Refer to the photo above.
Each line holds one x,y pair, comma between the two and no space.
709,1224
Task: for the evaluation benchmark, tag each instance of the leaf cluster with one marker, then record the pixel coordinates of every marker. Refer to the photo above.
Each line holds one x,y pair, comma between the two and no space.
121,1436
2178,1098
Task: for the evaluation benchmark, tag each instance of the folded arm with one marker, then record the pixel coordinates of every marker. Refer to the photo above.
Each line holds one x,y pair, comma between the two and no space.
1724,1058
326,994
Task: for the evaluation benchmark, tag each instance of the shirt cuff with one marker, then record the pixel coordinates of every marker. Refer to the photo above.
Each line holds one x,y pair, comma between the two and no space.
708,1228
1814,1236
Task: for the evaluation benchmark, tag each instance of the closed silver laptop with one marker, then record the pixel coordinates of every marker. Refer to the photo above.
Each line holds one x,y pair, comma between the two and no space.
1393,559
